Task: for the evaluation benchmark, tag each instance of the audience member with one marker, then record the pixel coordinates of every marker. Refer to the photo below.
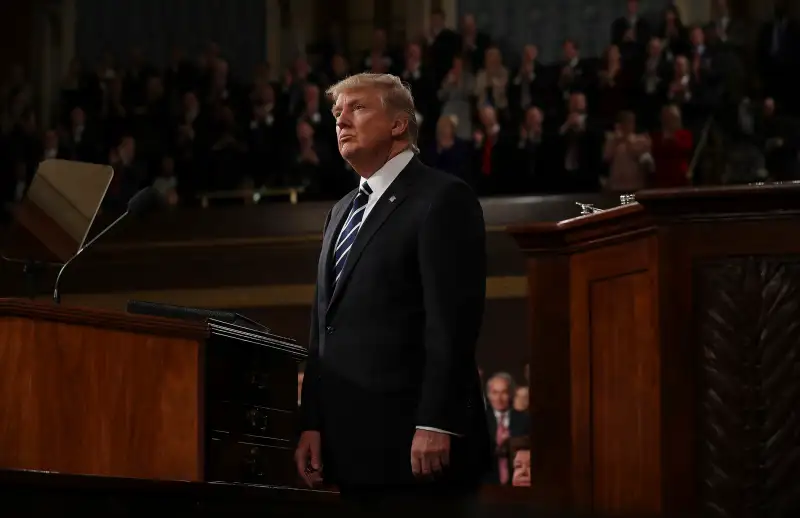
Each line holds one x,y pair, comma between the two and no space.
521,458
504,423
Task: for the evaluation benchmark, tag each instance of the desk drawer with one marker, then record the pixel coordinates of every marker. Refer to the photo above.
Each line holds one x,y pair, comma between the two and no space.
251,375
250,462
251,420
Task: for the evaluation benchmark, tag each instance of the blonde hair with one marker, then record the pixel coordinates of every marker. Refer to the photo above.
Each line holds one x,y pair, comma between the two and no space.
394,93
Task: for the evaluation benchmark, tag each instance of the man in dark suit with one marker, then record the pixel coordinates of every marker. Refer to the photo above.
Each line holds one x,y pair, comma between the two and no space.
392,404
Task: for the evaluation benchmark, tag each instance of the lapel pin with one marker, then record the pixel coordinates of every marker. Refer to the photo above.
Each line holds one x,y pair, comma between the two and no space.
391,200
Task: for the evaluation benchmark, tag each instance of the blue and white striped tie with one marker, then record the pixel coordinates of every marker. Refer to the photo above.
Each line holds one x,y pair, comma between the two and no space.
349,231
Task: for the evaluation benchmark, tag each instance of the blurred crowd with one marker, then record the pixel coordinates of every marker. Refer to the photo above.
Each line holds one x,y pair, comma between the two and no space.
501,119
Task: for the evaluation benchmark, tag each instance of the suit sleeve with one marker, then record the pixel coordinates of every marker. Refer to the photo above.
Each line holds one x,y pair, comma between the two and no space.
309,398
452,259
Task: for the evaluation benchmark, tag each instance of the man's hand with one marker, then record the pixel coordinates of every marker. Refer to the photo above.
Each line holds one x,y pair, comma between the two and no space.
430,452
308,457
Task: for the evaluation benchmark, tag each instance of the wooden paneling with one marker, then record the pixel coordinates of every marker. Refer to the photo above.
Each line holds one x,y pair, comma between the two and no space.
615,378
550,383
684,251
80,399
748,384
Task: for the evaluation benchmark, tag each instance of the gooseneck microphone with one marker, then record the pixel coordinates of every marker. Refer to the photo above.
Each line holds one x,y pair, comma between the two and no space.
140,203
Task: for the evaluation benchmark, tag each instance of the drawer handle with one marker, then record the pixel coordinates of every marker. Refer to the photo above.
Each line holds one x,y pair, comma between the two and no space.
259,380
254,464
258,419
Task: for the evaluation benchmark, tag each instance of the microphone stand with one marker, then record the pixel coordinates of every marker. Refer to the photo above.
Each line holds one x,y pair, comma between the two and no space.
56,292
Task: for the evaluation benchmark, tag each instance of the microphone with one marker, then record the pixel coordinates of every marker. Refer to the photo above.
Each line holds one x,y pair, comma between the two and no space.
140,203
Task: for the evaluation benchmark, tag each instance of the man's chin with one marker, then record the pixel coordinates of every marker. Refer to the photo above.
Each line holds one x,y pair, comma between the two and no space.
347,151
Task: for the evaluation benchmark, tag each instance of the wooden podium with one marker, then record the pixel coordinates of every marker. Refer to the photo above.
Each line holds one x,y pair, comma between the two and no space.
91,392
665,367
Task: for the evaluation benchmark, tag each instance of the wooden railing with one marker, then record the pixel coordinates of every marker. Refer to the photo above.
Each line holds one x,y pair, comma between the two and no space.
252,195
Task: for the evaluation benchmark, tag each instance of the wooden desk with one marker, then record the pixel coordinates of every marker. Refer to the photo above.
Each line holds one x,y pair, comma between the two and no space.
113,394
665,368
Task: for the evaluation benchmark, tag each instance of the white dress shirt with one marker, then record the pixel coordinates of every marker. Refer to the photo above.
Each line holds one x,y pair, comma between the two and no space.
502,418
381,179
379,182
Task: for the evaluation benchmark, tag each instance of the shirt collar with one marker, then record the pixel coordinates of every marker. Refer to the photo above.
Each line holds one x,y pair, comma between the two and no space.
383,177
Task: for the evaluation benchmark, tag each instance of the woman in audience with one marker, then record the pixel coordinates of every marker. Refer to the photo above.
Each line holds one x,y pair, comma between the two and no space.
673,34
449,153
491,84
456,94
521,457
521,399
627,154
613,86
672,150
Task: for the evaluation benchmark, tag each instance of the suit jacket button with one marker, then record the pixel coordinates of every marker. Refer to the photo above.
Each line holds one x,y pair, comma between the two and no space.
329,330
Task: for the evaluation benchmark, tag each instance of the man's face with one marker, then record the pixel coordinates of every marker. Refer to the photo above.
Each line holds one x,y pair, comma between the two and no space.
627,126
379,40
681,66
311,96
533,118
413,52
468,26
78,117
339,65
363,124
305,132
697,36
487,116
769,106
570,52
577,103
499,394
190,102
127,149
654,47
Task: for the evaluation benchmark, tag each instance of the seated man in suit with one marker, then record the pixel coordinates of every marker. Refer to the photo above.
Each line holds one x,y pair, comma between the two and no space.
505,423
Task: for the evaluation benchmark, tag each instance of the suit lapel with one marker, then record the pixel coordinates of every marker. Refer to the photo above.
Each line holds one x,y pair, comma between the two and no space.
328,240
391,199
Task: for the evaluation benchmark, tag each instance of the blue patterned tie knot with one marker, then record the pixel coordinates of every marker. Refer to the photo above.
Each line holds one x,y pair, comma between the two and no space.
349,231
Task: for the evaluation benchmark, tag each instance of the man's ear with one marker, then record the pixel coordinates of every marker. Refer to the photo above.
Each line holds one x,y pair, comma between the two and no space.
400,126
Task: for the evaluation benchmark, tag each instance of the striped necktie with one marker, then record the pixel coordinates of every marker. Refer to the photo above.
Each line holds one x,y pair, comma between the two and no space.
349,231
